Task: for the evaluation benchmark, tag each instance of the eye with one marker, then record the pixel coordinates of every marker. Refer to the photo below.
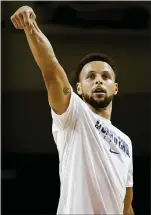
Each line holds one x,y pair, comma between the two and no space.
105,76
91,76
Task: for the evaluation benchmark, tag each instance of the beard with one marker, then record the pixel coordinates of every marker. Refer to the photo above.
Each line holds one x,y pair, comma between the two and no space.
97,103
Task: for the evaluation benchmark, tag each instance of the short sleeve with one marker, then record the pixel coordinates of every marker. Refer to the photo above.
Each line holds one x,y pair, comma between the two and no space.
71,114
130,174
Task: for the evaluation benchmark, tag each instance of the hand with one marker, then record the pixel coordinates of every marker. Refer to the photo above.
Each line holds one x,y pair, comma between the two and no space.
24,18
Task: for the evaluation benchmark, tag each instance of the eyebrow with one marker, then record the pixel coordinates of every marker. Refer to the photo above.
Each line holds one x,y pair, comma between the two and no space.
109,72
91,71
105,71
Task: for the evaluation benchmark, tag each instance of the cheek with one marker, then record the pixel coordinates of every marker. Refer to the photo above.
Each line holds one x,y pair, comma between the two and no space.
86,88
111,89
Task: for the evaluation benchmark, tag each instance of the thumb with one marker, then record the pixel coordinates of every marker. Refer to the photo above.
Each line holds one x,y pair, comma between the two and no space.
32,21
34,27
33,15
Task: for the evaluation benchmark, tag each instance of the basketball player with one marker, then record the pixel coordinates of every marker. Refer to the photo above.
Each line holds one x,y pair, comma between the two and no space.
96,168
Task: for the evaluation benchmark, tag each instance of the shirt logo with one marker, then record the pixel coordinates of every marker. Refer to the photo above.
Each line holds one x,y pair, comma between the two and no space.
110,136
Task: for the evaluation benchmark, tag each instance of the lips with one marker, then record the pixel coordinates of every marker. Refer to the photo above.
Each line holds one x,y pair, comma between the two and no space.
99,90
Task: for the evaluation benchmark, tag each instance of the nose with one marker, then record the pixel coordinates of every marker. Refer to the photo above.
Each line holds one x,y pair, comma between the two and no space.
98,80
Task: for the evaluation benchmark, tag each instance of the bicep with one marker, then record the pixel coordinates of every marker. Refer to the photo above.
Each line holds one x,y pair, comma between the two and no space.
65,105
59,92
58,88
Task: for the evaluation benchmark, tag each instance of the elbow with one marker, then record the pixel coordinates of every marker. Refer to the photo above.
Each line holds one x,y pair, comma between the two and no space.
128,211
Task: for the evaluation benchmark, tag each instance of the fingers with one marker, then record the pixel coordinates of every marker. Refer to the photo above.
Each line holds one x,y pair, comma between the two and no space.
27,22
17,22
14,22
26,19
23,19
20,21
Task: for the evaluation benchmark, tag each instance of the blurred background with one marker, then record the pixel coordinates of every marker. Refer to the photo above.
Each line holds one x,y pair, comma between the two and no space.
30,165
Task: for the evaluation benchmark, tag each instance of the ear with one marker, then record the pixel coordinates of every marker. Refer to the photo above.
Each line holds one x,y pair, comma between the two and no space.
116,89
79,88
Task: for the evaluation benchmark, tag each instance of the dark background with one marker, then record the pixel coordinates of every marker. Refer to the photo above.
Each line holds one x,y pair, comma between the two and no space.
30,180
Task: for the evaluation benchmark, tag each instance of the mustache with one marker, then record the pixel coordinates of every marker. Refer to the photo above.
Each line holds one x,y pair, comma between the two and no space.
99,89
96,103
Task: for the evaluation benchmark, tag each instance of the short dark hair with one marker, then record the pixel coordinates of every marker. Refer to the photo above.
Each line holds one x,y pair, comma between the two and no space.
95,57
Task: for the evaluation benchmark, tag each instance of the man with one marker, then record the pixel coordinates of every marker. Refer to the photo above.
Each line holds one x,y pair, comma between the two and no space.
96,169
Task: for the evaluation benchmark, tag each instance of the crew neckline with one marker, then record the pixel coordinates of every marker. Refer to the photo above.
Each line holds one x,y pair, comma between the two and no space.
102,118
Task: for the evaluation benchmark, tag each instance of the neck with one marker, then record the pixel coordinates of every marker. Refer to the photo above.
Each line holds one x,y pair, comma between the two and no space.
103,112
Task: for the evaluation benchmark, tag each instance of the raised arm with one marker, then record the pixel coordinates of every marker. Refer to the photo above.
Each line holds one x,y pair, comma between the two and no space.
55,78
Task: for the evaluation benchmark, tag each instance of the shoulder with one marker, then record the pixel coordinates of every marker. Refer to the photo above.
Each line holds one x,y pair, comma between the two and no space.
74,112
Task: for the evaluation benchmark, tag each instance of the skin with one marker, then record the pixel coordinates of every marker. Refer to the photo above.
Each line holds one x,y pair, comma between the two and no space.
94,74
98,74
56,80
128,209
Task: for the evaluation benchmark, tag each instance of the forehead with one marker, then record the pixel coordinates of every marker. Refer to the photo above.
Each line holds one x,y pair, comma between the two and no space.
96,66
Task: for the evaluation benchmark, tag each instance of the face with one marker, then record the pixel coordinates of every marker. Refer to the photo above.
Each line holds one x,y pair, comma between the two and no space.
97,84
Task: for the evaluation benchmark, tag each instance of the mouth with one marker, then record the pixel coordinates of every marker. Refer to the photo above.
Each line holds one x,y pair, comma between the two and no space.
99,91
99,95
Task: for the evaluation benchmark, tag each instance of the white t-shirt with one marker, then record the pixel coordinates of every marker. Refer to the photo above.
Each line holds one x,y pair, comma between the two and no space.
95,161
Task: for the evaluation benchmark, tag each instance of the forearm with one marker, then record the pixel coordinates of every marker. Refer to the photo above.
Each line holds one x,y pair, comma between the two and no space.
41,49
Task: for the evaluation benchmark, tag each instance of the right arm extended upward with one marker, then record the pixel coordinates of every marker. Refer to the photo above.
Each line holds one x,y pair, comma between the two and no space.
56,81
